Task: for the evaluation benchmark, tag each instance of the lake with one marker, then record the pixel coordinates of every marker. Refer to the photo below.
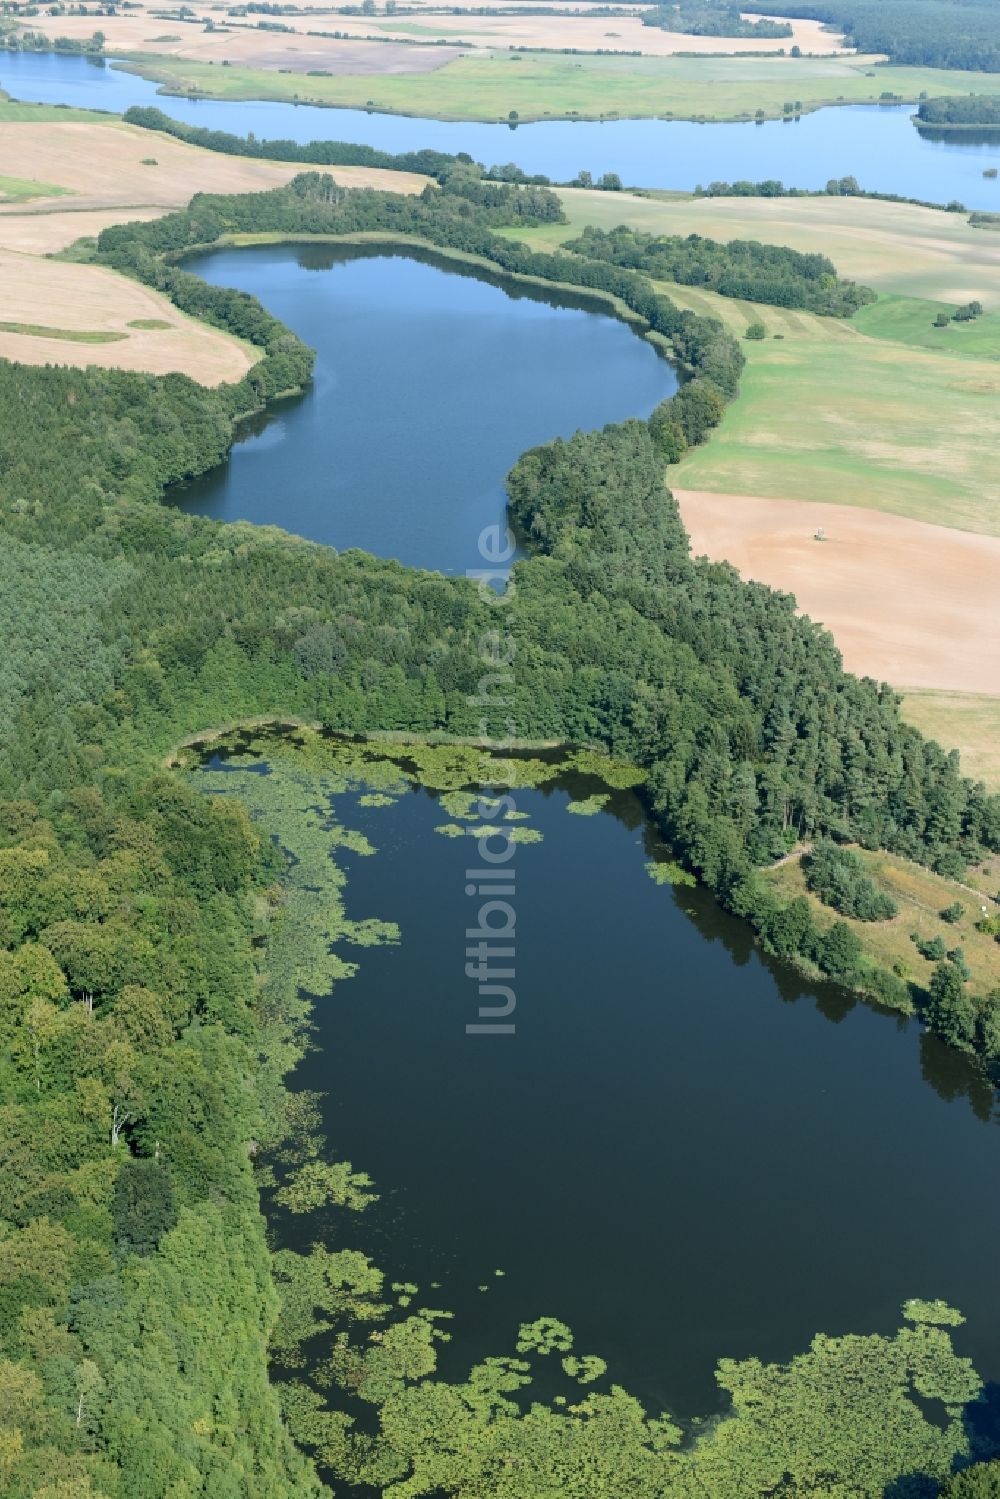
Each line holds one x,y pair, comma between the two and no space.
684,1151
875,143
428,386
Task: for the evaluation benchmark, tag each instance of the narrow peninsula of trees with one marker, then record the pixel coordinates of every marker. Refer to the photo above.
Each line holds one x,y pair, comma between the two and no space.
963,113
713,18
742,268
316,153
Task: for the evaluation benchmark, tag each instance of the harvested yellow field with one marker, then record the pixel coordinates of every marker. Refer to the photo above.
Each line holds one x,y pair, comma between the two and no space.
615,33
244,44
89,300
907,602
48,233
110,173
239,42
107,166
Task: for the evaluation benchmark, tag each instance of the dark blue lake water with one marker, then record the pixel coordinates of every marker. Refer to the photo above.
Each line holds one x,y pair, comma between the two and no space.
428,386
684,1151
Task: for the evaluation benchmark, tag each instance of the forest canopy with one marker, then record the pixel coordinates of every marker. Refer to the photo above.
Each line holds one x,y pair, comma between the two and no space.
742,268
923,33
967,109
713,18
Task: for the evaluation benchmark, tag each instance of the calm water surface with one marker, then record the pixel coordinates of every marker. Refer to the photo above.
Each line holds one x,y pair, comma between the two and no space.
876,144
428,386
683,1152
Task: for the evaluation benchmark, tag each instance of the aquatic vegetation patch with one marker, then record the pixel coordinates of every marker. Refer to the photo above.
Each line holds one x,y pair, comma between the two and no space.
590,805
668,872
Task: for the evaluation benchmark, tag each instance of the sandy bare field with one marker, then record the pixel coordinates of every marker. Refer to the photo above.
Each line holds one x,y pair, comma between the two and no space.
907,602
397,54
90,299
46,233
616,33
104,166
252,47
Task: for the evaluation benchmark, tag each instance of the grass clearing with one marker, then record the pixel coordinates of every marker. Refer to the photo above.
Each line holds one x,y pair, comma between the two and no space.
969,720
71,335
911,320
23,189
487,86
920,896
14,113
830,415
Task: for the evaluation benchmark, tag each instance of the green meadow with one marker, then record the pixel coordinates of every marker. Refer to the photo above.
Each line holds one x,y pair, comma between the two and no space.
885,411
970,717
830,414
490,85
23,189
13,113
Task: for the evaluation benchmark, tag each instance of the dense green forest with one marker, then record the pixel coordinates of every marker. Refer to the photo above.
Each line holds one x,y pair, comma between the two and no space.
925,33
969,109
740,268
145,1029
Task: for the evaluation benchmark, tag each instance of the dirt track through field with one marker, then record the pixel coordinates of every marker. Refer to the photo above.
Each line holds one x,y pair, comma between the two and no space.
907,602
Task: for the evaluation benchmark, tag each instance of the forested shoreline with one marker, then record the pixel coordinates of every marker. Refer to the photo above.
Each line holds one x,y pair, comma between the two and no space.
960,113
144,1044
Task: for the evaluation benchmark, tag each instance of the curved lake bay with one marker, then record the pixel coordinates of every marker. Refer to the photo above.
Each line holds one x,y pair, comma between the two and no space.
428,386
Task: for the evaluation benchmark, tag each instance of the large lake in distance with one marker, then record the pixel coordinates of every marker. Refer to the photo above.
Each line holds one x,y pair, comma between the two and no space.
875,143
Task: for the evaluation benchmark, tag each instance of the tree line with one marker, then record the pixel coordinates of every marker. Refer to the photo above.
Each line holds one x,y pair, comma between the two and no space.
742,268
967,109
713,18
426,162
